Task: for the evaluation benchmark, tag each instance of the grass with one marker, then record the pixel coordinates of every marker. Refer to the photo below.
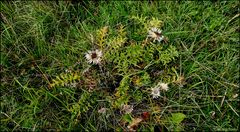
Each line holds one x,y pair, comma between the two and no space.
41,40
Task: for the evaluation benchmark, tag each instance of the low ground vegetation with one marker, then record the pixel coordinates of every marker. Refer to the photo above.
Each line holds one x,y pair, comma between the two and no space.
124,66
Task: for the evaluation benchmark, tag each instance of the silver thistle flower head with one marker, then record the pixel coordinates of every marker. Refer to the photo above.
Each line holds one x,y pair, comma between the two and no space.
163,86
155,34
155,92
94,56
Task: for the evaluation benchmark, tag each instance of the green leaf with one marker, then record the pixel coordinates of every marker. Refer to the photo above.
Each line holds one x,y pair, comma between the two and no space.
177,118
127,118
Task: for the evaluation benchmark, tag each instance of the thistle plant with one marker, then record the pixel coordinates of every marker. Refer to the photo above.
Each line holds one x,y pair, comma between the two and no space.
131,60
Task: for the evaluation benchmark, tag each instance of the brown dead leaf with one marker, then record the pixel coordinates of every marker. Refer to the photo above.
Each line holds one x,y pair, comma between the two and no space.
134,123
180,81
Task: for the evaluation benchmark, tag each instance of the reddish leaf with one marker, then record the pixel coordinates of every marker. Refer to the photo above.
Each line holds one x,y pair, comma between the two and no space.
145,115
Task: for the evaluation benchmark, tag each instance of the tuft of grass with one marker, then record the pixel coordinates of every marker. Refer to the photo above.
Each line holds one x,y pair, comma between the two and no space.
40,41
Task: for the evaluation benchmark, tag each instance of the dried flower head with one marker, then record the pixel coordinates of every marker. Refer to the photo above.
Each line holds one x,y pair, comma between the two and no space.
163,86
180,81
102,110
155,34
235,96
94,56
155,92
127,109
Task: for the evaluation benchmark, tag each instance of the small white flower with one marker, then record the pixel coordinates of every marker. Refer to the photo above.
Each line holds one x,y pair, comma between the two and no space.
102,110
155,92
94,56
156,34
127,109
163,86
157,88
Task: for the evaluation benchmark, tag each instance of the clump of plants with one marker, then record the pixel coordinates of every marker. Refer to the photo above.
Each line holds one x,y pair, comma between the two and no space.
129,67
